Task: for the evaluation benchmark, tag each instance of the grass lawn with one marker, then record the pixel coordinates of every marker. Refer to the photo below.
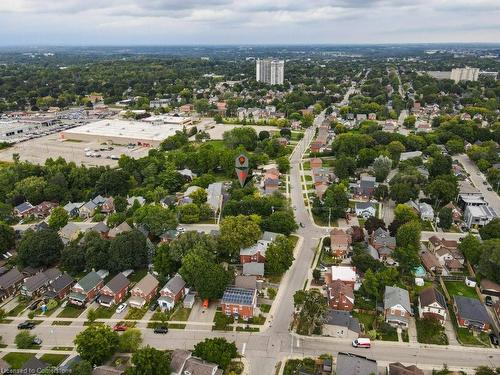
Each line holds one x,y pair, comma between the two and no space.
16,360
176,326
307,165
222,322
54,359
430,332
261,319
136,314
387,332
17,310
6,321
103,312
70,311
265,308
308,178
181,314
293,366
61,323
366,319
426,225
458,288
324,223
361,222
64,348
249,329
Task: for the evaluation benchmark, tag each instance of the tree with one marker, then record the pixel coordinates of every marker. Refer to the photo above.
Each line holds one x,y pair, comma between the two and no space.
381,192
150,361
97,343
357,234
443,189
130,340
199,196
128,250
91,315
283,164
120,203
471,248
280,222
156,218
42,248
243,136
440,165
373,223
409,122
279,256
395,148
490,230
404,213
189,241
370,285
407,259
237,232
95,249
217,350
382,166
73,257
489,263
189,213
402,192
81,368
485,370
408,235
264,134
445,217
113,182
7,237
313,307
344,167
335,201
24,340
58,218
163,261
175,141
31,188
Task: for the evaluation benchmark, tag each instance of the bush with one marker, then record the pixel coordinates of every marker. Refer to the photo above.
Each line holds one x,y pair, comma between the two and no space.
271,293
24,340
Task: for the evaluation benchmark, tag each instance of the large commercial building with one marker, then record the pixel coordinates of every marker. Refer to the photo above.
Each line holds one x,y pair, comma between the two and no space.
122,132
19,129
270,71
464,74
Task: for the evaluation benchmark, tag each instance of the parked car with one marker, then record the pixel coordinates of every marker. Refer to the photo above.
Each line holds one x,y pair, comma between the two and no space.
154,305
120,327
361,343
26,325
35,304
488,301
205,303
493,339
181,229
160,330
37,341
121,307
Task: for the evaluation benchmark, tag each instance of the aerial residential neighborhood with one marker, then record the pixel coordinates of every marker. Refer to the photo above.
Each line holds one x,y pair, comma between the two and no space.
240,188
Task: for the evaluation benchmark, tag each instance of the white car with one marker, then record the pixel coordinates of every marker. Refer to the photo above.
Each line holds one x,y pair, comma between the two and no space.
181,229
121,307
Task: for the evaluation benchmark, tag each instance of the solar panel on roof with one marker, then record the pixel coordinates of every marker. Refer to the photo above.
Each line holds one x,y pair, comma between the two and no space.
238,296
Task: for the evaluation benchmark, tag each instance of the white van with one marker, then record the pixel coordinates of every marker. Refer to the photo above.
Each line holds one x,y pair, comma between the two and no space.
361,343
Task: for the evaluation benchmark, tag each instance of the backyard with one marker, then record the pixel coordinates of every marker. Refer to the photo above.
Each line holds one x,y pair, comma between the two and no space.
458,288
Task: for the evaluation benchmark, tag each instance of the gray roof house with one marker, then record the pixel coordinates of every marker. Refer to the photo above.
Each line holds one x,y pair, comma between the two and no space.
87,209
172,292
253,269
471,313
215,195
397,307
10,282
341,324
38,283
72,208
352,364
183,362
122,228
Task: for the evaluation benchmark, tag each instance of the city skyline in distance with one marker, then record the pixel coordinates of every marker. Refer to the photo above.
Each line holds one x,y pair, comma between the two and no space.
219,22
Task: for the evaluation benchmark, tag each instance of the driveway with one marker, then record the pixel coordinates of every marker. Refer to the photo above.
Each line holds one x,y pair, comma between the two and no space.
412,331
199,314
450,332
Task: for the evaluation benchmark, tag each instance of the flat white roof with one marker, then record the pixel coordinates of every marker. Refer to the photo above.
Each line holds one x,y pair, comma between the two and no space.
344,273
126,129
167,119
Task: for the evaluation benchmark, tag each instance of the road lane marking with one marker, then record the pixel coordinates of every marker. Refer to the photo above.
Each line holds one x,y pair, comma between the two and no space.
243,349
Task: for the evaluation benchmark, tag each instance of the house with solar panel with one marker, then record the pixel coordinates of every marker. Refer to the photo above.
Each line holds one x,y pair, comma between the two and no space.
239,302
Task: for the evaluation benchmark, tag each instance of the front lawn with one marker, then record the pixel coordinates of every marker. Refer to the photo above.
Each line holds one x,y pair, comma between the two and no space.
18,309
181,314
247,329
70,311
430,331
16,360
307,165
458,288
103,312
293,366
265,308
365,319
176,326
387,332
136,314
54,359
222,322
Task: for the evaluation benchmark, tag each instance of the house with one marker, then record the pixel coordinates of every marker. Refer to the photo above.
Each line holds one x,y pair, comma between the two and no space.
43,209
99,200
365,187
215,196
100,228
169,236
257,252
144,291
168,202
69,232
108,206
436,244
455,212
87,210
399,369
187,174
346,274
86,289
430,262
37,284
114,291
426,211
340,295
122,228
341,324
73,209
32,366
365,209
409,155
432,304
340,243
10,282
239,302
60,287
471,313
188,301
131,201
397,308
246,282
453,265
173,291
316,163
320,190
383,242
23,210
489,288
478,216
271,181
253,269
352,364
183,363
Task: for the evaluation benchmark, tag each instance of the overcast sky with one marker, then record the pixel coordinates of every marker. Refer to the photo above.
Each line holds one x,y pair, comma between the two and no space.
165,22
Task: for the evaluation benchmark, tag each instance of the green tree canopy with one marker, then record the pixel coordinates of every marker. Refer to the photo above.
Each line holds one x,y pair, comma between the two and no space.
42,248
237,232
97,343
150,361
156,218
217,350
279,256
58,218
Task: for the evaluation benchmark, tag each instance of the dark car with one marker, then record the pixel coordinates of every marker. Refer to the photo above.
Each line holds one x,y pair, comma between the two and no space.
35,304
488,301
153,306
493,339
26,325
160,330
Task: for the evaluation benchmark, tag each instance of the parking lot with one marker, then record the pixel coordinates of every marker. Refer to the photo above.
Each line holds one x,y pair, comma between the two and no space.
50,146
